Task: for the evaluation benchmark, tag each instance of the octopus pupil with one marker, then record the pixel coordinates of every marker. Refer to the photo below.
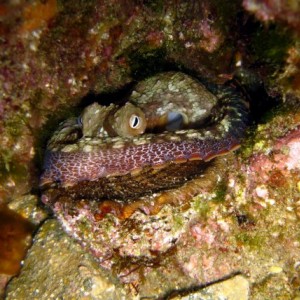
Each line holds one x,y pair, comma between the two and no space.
175,121
79,121
134,121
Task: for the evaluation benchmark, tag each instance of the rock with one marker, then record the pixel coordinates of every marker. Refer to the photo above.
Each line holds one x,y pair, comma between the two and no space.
57,267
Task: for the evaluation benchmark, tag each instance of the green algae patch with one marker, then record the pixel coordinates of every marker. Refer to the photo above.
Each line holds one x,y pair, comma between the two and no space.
220,192
202,207
156,6
178,222
254,241
270,46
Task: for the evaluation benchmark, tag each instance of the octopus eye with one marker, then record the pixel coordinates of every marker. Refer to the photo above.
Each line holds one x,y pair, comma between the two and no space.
135,122
175,121
79,121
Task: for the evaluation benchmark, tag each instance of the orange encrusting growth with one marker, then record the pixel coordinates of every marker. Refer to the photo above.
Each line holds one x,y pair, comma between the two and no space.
15,238
37,15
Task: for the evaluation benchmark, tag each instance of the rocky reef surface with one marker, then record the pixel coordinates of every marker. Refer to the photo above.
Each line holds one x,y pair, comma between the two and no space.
241,230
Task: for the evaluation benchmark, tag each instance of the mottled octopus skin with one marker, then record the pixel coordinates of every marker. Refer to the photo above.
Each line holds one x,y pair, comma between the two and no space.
73,167
91,159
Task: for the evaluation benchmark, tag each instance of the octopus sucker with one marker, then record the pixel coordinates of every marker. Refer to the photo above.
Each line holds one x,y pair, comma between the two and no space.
160,141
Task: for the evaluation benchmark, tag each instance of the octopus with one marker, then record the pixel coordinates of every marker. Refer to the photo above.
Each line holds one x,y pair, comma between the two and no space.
148,152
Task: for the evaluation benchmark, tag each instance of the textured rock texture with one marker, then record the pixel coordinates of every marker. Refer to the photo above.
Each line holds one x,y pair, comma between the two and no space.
58,57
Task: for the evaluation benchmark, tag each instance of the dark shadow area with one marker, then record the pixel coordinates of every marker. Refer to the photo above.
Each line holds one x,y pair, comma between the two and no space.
192,289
